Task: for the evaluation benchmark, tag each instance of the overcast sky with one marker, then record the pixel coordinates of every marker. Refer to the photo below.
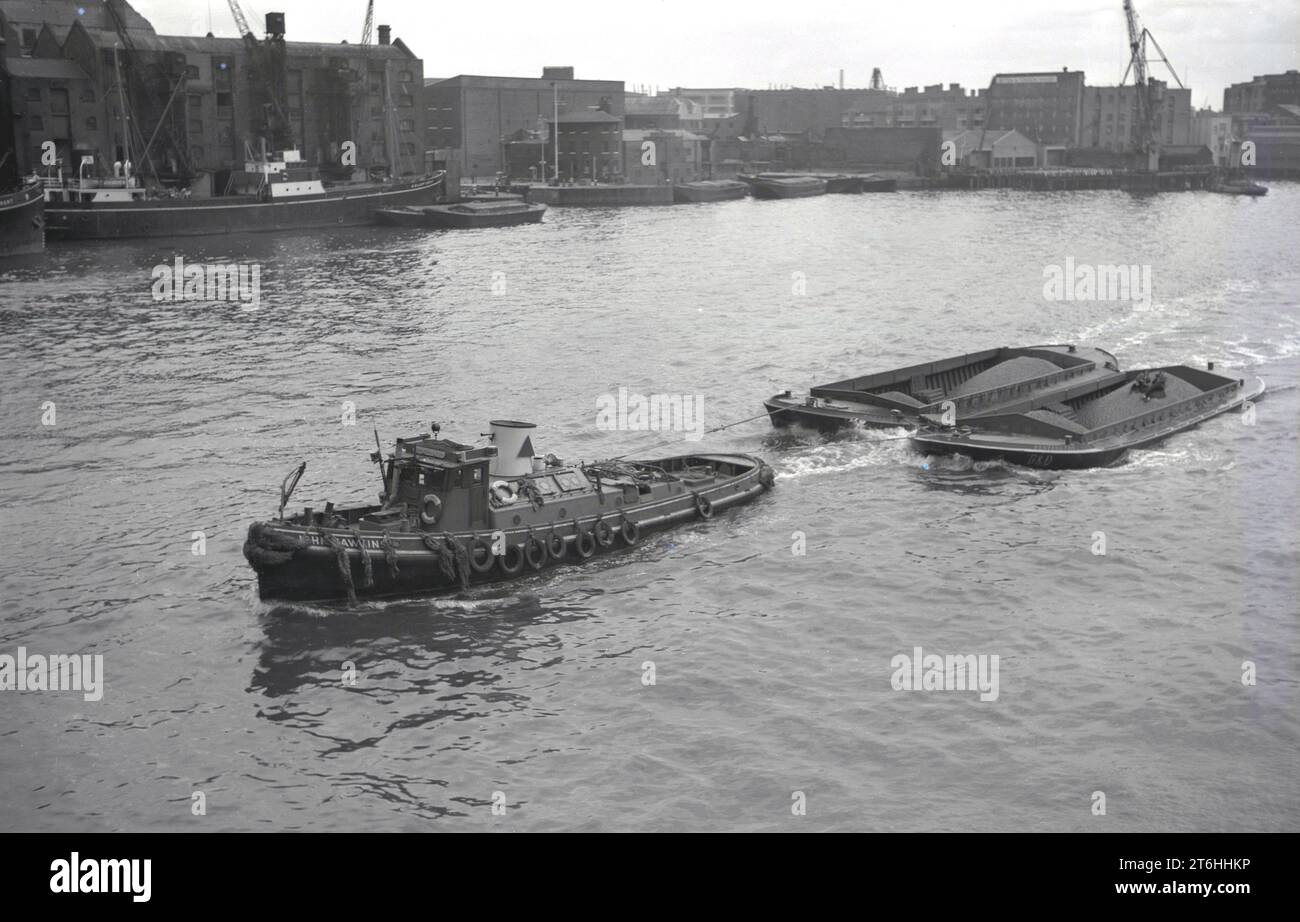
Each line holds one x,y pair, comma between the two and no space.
758,43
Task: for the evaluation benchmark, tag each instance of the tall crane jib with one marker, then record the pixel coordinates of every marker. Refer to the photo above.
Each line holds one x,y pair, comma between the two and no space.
268,81
154,92
368,29
1146,140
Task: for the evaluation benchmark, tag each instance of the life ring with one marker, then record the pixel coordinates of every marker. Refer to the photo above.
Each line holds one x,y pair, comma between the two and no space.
703,506
583,542
515,552
601,531
481,563
430,517
630,532
535,552
556,546
504,492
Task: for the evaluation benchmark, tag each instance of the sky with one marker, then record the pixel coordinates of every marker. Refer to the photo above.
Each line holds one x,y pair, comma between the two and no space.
759,43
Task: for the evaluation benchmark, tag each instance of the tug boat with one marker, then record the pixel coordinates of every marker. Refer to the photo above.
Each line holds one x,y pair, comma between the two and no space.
453,515
1092,427
1239,187
709,190
873,183
465,215
976,383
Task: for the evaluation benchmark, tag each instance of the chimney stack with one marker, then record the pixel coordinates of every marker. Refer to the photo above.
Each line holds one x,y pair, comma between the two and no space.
384,34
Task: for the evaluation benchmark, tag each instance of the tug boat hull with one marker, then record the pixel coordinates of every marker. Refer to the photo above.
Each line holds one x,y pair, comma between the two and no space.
359,553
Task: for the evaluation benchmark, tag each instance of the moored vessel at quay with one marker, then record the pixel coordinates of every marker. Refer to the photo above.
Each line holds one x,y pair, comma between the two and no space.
784,185
22,220
464,215
279,192
453,515
709,190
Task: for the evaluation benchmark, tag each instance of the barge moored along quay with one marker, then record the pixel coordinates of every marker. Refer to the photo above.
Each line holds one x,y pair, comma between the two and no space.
974,383
784,185
465,215
1095,426
709,190
454,515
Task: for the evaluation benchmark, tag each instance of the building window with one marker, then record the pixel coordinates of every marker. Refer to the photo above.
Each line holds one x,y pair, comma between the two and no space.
406,124
225,101
196,126
29,38
37,123
87,95
407,101
34,94
92,124
404,76
196,153
191,72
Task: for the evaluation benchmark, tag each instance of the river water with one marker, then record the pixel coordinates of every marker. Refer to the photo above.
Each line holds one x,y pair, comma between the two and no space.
1119,673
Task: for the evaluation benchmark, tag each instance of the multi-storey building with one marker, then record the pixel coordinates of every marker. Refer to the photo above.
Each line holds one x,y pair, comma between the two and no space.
1110,117
477,116
1262,93
1045,107
190,106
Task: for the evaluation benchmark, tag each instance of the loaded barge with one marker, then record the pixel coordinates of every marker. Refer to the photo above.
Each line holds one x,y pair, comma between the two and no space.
975,383
1093,426
453,515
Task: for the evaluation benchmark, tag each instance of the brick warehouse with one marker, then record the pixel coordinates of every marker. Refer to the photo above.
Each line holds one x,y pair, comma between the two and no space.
62,78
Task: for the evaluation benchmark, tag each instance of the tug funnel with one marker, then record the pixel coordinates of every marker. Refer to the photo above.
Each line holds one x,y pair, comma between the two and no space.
514,445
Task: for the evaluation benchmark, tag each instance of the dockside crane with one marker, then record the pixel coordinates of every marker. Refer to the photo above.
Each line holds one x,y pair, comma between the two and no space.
144,100
368,28
1146,142
267,78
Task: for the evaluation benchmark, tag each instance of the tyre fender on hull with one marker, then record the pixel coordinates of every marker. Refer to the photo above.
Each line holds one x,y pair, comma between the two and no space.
513,560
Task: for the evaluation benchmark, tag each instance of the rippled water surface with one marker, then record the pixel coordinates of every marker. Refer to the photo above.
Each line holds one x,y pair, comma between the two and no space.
1118,673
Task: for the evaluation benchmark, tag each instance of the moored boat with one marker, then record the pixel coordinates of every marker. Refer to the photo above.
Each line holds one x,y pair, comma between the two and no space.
1093,427
878,184
843,184
1239,187
453,515
464,215
709,190
22,220
962,385
784,185
278,192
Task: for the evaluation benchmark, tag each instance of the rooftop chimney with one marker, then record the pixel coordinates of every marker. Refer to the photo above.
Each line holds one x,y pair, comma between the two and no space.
384,33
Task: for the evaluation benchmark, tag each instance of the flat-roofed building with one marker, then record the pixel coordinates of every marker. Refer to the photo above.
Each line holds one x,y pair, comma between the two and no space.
474,116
